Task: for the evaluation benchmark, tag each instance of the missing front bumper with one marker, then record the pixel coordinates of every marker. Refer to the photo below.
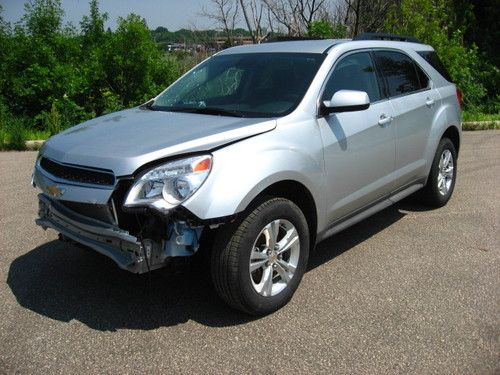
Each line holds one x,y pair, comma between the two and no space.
124,249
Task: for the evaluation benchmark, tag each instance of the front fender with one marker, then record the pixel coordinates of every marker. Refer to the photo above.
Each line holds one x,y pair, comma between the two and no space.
243,170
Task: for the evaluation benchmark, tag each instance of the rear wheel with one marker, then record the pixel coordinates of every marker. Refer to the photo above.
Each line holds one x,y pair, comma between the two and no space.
442,177
257,264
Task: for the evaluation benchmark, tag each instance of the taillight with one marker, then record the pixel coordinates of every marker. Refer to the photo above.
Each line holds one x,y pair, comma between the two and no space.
459,98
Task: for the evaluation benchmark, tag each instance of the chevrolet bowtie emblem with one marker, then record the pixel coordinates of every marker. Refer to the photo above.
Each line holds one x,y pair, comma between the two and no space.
55,191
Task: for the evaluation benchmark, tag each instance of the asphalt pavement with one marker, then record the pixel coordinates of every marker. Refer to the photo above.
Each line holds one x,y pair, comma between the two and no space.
409,290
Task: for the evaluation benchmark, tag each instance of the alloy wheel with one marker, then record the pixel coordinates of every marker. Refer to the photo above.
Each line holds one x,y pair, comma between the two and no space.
274,257
445,174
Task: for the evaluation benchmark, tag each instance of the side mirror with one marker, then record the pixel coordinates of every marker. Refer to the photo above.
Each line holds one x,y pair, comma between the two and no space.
346,101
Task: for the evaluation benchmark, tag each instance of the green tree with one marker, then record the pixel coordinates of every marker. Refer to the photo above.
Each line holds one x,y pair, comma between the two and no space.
93,40
5,50
324,29
44,60
431,21
92,26
479,19
134,66
43,18
53,76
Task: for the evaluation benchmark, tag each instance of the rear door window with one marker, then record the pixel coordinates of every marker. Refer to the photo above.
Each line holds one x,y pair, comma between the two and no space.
399,72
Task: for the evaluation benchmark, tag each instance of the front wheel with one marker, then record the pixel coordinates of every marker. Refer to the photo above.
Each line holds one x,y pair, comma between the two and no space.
257,265
442,177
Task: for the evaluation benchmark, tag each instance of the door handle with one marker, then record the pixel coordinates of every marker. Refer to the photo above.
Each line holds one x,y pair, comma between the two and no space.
384,120
429,102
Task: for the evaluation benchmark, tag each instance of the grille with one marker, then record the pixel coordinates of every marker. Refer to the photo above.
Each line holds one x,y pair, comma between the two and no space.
77,174
101,212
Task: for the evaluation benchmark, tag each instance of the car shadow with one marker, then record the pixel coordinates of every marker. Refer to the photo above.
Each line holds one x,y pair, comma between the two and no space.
65,282
352,236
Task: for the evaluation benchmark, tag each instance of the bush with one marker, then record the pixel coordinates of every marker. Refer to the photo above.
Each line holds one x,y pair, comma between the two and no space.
134,66
54,76
430,21
57,77
12,130
53,120
14,135
17,135
324,29
184,61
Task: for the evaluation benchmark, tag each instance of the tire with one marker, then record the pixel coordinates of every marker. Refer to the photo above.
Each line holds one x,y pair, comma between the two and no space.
441,181
244,244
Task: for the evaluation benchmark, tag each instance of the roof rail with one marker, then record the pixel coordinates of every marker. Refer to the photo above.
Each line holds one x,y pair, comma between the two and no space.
385,36
290,39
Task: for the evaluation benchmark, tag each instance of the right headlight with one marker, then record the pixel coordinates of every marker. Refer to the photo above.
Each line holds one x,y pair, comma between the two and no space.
169,184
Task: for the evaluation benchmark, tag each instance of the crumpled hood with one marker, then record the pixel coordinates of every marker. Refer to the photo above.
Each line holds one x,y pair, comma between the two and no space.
124,141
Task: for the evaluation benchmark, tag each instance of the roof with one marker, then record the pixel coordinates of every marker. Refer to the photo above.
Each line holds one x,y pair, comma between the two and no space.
299,46
322,46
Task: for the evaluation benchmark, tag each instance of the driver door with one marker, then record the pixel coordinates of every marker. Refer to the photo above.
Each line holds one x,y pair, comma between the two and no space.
359,146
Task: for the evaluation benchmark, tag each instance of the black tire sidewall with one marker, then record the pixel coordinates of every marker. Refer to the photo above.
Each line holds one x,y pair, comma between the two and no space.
266,213
435,197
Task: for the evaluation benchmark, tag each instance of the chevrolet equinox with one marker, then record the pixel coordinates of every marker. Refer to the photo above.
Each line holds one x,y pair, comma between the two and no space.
257,154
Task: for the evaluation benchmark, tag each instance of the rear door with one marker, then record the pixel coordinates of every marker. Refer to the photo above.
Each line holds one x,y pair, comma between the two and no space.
359,147
414,102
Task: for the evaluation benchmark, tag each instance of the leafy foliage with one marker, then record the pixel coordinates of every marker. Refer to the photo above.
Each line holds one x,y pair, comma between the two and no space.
432,22
133,65
324,29
53,76
12,130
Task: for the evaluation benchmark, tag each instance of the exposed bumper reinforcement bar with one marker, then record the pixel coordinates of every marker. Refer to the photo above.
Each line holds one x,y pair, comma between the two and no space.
124,249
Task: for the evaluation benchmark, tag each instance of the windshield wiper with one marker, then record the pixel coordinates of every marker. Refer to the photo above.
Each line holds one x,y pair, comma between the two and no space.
206,111
149,105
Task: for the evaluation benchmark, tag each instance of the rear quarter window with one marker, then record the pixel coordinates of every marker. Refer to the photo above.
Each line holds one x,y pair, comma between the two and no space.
433,59
422,77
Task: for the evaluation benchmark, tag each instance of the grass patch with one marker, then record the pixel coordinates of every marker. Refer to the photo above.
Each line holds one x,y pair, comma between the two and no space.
35,135
468,116
13,135
15,131
486,125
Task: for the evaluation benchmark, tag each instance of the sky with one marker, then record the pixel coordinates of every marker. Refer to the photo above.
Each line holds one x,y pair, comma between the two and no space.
173,14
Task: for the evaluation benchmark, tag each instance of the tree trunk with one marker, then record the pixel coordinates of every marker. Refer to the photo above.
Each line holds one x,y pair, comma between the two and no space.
247,20
356,22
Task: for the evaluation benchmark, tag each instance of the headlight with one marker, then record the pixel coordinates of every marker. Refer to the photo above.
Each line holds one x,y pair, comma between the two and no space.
170,184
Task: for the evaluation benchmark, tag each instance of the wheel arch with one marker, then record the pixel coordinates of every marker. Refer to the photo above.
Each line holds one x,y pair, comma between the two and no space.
300,195
453,135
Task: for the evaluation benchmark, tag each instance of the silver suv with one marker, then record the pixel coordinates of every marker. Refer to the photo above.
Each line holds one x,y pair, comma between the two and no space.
254,156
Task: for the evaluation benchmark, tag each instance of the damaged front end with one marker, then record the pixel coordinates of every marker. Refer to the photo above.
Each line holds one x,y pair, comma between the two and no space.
138,239
137,253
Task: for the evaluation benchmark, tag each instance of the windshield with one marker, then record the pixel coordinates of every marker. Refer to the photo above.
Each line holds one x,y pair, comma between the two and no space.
243,85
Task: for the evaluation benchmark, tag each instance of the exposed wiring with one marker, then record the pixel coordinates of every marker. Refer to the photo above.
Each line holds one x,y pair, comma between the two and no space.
141,239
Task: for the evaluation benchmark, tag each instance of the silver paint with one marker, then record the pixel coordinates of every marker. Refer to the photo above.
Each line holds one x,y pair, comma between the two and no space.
352,163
